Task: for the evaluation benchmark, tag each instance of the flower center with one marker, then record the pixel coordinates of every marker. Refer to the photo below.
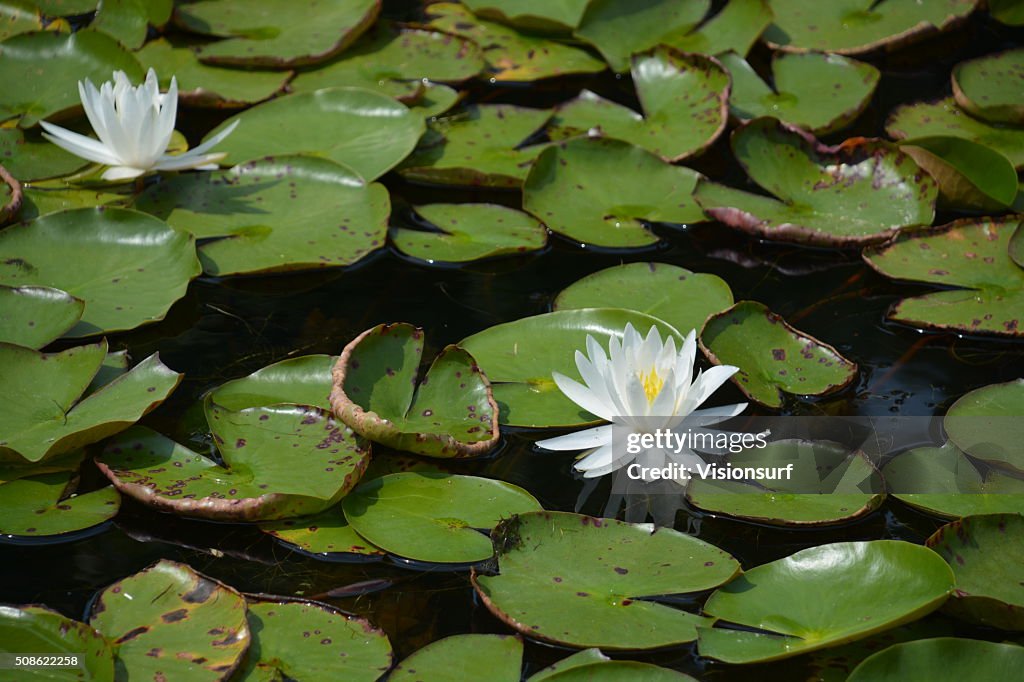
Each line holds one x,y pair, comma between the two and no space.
652,384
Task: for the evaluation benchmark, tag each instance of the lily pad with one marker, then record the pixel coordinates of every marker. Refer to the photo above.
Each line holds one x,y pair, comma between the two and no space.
606,193
590,665
449,413
773,357
275,215
942,658
970,175
582,581
983,552
485,145
519,357
970,255
735,28
305,380
986,424
828,484
1009,12
434,100
17,17
277,33
824,596
33,158
43,506
944,117
512,56
795,95
684,98
992,87
434,517
35,316
42,200
496,658
859,192
468,232
64,8
43,631
859,26
129,269
396,61
378,131
325,533
39,71
170,621
47,415
1016,248
301,640
128,21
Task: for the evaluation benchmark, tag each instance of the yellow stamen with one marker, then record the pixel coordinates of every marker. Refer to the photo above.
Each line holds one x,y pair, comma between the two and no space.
652,384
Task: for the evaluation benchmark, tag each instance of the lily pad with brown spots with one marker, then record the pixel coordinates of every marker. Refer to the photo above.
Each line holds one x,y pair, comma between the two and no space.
992,87
35,316
303,380
327,533
46,505
460,233
496,658
43,631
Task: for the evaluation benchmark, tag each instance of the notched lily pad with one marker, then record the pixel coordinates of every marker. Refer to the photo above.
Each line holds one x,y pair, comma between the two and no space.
35,316
496,658
460,233
43,631
992,87
449,413
46,506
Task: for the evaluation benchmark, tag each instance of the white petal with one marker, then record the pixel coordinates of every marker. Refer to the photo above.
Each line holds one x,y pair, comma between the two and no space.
601,461
710,381
714,415
580,440
79,145
122,173
188,162
582,396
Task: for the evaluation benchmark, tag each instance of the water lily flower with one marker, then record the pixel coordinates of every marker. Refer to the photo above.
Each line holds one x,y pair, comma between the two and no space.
644,384
134,126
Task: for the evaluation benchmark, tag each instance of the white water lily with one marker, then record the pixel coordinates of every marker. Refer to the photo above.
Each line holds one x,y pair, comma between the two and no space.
643,384
134,125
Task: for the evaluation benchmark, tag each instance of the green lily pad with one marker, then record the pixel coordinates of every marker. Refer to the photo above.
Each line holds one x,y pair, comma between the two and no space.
129,269
983,552
944,117
1016,248
275,215
33,158
434,100
42,631
468,232
773,357
990,87
396,61
824,596
40,201
47,415
481,146
45,505
203,85
970,175
942,658
828,484
496,658
970,255
519,357
735,28
795,94
449,413
858,26
301,640
582,581
681,298
277,33
35,316
603,192
1009,12
128,21
986,424
39,71
65,8
379,132
305,380
434,517
170,621
512,56
328,532
590,665
684,98
859,192
17,17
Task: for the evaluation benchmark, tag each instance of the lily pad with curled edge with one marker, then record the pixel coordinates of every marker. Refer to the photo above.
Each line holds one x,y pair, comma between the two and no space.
681,298
985,553
47,506
305,380
587,582
434,517
43,631
170,621
512,56
449,413
397,61
467,232
792,95
39,71
855,193
773,358
378,131
944,117
970,255
942,658
828,484
35,316
1009,12
986,424
519,357
276,214
49,410
485,145
859,26
735,28
276,33
129,267
496,658
970,175
300,640
684,98
992,87
823,596
27,156
606,193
